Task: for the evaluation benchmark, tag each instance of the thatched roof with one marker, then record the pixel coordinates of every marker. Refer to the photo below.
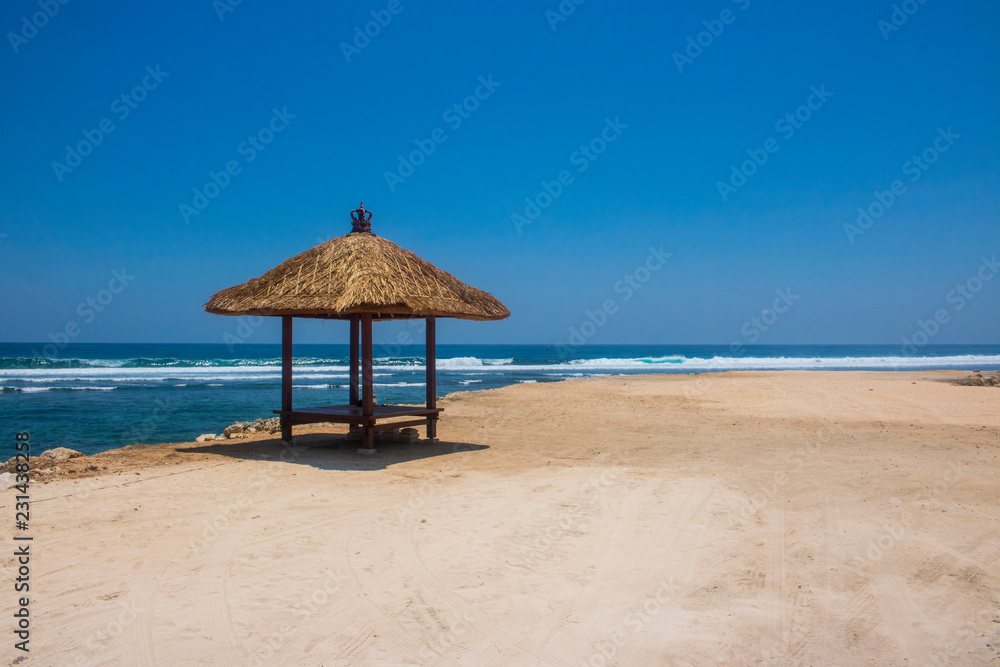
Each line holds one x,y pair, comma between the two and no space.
357,273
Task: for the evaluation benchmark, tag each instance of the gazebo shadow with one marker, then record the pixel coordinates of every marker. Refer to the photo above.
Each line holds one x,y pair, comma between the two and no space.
326,451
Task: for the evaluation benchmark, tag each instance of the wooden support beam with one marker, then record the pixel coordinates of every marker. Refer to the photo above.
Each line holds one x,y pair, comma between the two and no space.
286,376
367,380
355,325
430,351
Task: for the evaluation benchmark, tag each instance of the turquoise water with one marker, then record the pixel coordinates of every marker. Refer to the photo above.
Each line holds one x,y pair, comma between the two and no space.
95,397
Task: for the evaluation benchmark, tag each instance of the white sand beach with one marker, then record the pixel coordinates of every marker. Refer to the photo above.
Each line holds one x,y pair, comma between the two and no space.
838,518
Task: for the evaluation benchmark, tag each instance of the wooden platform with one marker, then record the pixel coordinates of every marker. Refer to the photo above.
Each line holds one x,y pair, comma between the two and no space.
353,414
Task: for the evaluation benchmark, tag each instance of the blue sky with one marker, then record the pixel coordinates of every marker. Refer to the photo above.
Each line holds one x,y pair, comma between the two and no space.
557,91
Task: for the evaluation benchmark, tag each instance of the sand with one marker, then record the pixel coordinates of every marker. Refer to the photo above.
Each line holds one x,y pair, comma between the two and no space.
737,518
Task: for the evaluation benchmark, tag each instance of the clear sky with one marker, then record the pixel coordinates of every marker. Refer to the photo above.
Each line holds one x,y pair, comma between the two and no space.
644,127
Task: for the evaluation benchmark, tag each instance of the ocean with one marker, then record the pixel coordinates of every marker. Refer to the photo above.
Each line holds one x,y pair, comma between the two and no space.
95,397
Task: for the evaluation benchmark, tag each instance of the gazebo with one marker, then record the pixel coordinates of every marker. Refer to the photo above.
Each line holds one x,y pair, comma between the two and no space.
361,278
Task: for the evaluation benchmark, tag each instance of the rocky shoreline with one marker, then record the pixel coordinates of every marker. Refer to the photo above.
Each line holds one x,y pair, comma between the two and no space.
244,430
271,426
980,379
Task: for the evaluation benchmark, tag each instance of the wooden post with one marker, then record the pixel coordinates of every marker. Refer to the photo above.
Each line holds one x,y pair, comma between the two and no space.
430,352
367,382
355,322
286,377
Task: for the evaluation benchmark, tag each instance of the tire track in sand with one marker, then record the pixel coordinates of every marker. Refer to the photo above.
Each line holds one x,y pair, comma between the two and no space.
611,542
687,501
774,578
378,620
409,556
857,612
139,634
215,616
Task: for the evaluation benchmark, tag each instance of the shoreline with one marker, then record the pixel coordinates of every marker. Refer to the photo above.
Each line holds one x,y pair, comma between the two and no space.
114,395
119,459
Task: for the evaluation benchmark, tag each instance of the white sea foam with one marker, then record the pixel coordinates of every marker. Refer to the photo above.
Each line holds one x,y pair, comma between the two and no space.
313,375
666,364
683,364
195,374
463,363
33,390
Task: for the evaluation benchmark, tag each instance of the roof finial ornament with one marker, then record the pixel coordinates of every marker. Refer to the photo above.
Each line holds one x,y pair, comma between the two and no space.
362,219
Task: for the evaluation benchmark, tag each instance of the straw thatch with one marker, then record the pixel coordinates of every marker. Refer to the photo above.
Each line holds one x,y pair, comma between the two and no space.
357,273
